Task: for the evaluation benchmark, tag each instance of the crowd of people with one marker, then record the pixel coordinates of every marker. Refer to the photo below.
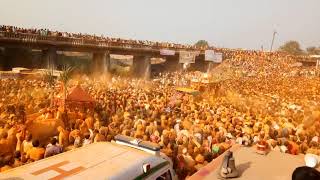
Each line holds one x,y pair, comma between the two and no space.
95,38
263,98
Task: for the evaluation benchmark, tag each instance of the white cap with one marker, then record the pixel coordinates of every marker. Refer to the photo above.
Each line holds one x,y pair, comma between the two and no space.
184,151
283,149
311,160
315,139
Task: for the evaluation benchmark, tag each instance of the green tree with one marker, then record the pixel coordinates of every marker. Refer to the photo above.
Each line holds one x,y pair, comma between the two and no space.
291,47
65,77
50,79
202,43
313,50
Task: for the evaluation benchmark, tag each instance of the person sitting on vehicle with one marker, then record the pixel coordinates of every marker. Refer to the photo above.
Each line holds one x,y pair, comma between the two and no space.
98,137
27,143
77,141
88,138
53,148
17,159
36,152
63,136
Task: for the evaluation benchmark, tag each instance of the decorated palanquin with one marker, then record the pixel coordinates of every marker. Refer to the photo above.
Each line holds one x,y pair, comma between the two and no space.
76,98
188,91
203,84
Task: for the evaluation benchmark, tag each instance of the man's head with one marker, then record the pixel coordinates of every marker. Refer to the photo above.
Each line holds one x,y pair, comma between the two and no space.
28,137
17,154
305,173
4,135
35,143
59,129
53,141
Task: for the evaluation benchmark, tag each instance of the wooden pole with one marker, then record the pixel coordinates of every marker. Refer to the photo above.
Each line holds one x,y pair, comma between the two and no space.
274,34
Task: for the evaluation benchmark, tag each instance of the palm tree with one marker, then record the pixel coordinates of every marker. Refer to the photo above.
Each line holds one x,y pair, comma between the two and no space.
65,77
49,78
202,44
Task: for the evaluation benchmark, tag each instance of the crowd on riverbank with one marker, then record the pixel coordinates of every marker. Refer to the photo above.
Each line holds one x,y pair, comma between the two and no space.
263,98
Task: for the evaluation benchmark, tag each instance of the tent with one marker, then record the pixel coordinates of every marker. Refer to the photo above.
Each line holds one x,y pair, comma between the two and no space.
76,97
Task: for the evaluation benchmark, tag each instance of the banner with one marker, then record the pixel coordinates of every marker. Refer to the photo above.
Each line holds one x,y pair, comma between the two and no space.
167,52
217,57
9,75
209,55
187,57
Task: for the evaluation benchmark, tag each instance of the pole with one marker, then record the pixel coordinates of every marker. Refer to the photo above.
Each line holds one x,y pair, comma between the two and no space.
316,70
274,34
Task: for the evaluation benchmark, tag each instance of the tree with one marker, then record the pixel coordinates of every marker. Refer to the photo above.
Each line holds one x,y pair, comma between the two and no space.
313,50
291,47
202,43
65,77
49,78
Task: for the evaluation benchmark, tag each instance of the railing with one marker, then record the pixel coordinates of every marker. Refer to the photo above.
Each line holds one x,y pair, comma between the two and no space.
34,38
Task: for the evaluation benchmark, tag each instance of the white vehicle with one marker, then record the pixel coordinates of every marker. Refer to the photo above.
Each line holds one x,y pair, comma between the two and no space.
126,158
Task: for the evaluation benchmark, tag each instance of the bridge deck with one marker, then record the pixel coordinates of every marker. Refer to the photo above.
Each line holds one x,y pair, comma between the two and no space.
252,166
80,44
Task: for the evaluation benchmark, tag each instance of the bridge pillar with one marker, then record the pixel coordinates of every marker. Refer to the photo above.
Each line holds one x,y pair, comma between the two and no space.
172,63
49,58
100,62
106,68
2,59
141,66
200,64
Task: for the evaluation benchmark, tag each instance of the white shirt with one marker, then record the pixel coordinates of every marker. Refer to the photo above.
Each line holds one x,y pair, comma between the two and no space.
177,128
86,142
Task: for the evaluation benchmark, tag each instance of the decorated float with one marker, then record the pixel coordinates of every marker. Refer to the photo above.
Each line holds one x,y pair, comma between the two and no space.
76,98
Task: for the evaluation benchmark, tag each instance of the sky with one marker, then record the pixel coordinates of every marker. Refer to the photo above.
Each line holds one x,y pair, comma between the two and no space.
247,24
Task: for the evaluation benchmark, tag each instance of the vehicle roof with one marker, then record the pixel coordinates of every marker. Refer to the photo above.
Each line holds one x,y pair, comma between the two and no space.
98,160
252,166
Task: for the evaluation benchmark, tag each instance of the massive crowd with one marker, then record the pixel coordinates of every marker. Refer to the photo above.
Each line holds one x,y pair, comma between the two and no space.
259,97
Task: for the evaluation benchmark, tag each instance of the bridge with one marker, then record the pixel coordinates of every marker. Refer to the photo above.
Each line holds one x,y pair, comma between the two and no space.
101,50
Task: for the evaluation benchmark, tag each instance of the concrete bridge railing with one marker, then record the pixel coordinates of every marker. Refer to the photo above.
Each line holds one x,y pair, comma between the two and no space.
37,38
100,49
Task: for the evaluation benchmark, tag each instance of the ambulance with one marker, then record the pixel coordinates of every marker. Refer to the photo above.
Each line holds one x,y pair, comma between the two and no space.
126,158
